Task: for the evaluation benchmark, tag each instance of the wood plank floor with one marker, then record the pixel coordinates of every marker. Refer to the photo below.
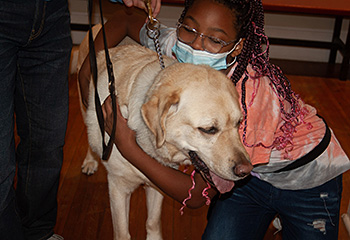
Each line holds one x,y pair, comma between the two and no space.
83,210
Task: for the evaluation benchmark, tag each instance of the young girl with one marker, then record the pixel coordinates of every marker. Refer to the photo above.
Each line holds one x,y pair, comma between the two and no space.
278,129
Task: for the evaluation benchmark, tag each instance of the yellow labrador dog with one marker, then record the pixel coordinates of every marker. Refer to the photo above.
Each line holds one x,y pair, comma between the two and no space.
176,112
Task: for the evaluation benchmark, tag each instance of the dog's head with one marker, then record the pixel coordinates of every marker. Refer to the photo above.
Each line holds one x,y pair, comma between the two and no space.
195,108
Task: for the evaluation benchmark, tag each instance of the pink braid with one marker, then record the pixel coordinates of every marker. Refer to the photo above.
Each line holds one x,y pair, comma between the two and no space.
189,193
204,193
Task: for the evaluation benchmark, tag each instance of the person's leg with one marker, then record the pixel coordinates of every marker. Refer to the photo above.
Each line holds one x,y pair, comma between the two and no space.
12,28
244,215
10,225
312,213
41,106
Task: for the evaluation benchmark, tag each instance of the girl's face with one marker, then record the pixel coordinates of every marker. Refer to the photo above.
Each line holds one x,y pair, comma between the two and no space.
212,19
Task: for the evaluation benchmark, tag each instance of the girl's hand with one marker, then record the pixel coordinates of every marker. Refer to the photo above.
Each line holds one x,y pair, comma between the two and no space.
125,139
141,4
84,82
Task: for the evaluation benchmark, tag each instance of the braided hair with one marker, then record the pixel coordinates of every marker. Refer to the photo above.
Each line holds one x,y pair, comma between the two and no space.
249,24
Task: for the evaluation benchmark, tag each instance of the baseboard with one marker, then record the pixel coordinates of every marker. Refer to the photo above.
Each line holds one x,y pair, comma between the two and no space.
307,68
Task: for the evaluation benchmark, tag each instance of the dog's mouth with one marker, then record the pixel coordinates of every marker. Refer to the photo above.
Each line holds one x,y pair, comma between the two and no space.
222,185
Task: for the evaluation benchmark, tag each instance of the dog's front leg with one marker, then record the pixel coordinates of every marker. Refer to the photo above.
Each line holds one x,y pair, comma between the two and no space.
90,164
120,207
154,209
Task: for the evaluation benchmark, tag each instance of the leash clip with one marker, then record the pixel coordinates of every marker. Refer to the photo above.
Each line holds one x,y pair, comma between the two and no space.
153,26
150,13
153,29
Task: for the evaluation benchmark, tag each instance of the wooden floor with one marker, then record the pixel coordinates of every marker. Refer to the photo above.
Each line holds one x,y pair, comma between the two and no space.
83,210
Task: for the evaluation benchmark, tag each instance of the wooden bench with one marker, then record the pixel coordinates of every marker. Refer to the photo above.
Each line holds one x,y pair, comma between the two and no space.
337,9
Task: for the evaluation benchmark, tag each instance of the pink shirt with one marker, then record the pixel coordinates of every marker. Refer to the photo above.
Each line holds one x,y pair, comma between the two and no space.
264,120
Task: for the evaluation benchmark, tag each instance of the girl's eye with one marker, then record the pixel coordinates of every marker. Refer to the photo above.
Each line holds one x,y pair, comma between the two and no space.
188,29
214,40
211,130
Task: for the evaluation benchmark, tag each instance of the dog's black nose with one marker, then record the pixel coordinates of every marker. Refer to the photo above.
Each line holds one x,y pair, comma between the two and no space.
242,169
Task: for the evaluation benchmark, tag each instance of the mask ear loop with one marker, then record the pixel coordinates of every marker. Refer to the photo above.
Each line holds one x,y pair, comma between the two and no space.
235,58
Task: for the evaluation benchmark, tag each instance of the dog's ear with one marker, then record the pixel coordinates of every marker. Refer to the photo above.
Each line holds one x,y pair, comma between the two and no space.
156,111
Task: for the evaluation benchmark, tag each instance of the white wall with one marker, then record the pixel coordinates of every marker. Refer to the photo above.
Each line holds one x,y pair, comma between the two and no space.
276,25
302,27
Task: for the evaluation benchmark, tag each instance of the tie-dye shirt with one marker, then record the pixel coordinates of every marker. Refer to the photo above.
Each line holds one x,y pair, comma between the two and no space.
263,126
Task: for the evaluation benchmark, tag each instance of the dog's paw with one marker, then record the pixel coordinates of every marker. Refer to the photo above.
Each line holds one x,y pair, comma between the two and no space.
154,237
89,166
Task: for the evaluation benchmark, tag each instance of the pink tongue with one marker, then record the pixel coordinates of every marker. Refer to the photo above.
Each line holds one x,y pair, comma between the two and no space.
221,184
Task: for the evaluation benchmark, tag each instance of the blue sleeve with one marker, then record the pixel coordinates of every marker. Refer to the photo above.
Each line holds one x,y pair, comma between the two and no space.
167,39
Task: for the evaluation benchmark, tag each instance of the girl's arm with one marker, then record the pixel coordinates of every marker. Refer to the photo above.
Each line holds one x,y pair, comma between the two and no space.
125,22
171,181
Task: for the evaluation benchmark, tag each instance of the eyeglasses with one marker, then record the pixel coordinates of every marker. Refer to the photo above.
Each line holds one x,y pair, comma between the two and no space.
211,44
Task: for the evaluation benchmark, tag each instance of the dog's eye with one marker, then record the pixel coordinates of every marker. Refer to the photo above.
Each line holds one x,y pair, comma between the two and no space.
211,130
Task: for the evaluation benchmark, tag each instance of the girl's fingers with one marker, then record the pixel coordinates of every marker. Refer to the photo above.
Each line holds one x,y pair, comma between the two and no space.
141,4
108,114
156,7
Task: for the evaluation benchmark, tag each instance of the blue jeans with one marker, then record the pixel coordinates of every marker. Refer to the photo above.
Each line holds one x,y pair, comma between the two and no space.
35,46
253,204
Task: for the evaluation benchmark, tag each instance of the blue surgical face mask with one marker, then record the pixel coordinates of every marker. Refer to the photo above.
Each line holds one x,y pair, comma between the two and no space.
186,54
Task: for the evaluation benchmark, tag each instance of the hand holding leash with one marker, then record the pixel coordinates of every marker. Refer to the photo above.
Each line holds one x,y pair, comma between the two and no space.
150,14
154,4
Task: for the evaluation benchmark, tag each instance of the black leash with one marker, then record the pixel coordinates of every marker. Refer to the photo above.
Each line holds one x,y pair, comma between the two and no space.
153,33
107,148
